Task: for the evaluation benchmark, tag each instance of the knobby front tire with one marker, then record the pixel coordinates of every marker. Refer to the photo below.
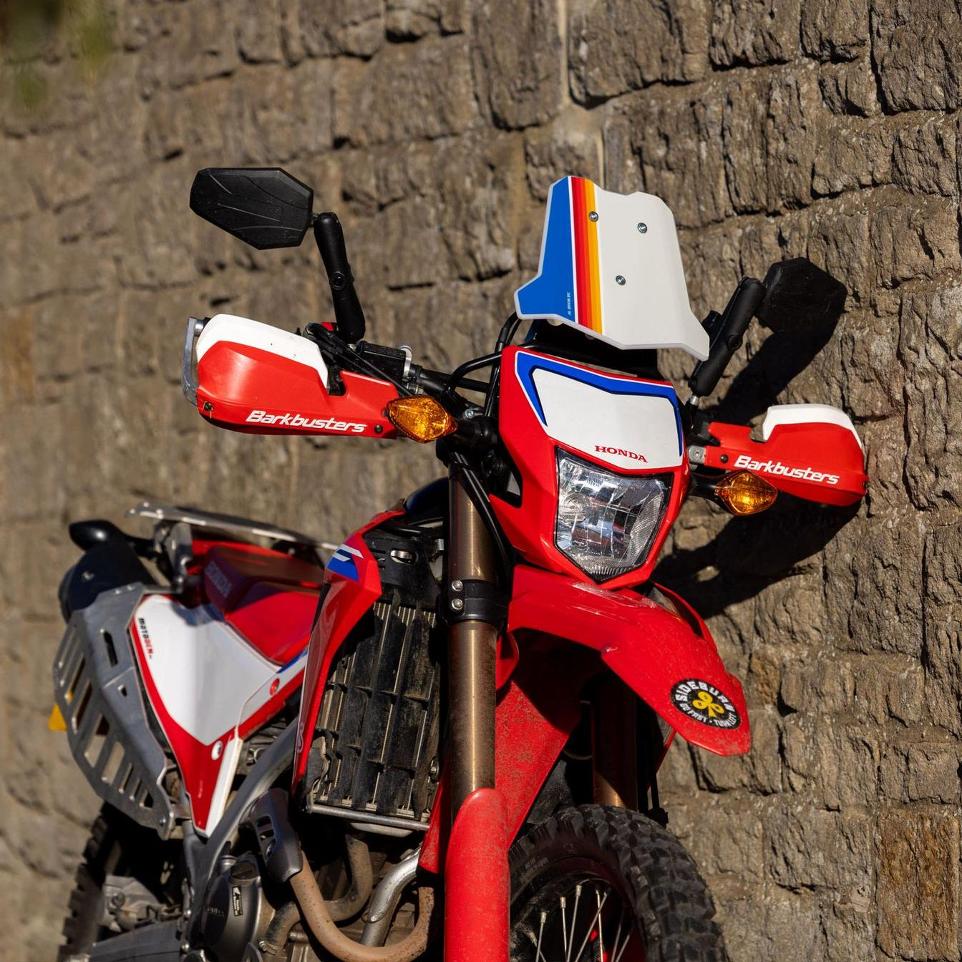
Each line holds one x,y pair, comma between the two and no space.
607,883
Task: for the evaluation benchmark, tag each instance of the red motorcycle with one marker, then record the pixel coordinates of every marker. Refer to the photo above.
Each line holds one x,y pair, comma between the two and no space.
445,743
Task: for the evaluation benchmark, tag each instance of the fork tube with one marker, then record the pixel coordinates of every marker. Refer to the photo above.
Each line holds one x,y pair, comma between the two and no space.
613,736
472,649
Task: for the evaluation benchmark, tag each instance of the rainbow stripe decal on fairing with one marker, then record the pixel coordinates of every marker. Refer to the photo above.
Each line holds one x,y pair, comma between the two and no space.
584,220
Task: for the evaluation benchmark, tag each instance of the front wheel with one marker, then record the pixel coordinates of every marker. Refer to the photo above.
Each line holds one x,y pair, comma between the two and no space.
596,884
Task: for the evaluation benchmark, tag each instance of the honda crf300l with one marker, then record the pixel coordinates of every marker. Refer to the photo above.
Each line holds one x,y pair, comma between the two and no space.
444,742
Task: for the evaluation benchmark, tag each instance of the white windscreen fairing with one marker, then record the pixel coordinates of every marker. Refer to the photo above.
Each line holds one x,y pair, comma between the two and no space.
611,267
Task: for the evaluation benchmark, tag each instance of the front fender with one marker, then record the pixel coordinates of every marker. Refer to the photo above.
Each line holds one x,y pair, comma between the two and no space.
668,658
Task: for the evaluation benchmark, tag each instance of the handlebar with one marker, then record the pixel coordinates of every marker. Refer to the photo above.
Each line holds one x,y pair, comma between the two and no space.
348,314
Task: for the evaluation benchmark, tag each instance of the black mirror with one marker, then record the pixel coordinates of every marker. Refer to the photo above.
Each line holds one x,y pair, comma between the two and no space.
800,294
264,207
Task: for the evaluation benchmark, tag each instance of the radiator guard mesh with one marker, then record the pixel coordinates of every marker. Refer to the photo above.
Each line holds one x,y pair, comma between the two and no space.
376,742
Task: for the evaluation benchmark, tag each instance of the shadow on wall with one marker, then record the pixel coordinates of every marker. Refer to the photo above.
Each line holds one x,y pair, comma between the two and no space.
752,553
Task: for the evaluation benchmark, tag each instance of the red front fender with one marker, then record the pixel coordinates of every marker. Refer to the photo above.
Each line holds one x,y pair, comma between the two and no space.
668,659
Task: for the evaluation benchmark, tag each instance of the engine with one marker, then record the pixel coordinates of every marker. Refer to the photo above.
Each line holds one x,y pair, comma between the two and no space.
235,912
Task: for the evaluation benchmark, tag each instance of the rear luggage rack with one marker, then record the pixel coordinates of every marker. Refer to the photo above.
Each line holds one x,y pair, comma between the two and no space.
227,523
374,757
97,689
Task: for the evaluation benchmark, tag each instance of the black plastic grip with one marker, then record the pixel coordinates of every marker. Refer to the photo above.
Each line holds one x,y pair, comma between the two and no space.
728,335
348,315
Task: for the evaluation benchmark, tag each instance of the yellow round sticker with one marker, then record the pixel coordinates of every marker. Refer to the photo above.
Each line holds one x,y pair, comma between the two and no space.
705,703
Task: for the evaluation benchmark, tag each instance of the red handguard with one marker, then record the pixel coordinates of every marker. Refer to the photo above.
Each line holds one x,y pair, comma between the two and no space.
258,379
815,455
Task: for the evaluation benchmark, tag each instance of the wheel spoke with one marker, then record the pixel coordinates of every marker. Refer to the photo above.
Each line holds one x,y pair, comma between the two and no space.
564,924
601,927
608,925
591,925
618,952
574,922
538,955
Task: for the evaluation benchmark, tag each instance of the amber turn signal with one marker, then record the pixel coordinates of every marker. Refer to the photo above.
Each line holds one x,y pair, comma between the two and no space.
420,418
745,493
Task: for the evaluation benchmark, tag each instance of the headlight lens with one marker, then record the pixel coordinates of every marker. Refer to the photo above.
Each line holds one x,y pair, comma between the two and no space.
606,521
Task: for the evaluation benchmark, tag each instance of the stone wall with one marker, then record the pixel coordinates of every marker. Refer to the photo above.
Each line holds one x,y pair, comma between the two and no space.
827,128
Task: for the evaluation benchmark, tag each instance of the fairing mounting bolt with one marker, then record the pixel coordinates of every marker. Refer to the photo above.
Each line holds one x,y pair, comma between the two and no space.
619,279
593,215
642,228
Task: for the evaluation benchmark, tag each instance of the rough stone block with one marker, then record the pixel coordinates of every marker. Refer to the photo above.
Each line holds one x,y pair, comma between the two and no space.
823,684
410,19
872,376
835,29
916,770
276,115
918,885
259,37
930,345
615,46
15,200
876,601
847,762
838,242
745,121
769,137
848,924
354,27
917,48
754,32
943,622
924,157
888,687
853,154
791,135
808,848
912,237
518,60
571,145
850,88
735,848
191,45
405,93
479,225
154,249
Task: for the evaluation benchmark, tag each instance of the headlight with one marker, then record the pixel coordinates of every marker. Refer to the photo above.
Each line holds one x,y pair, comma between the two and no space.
606,521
